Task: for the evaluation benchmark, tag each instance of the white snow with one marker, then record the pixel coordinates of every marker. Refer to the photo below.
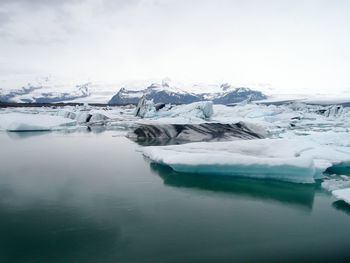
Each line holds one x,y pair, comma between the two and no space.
337,183
32,122
342,194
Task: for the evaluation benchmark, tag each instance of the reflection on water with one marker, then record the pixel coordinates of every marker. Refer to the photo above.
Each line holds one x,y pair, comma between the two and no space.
25,135
94,129
54,235
157,142
291,194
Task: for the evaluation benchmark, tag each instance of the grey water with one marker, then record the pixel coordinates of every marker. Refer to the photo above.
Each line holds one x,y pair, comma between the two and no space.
92,197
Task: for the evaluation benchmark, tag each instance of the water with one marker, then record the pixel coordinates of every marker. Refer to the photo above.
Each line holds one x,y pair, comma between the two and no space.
91,197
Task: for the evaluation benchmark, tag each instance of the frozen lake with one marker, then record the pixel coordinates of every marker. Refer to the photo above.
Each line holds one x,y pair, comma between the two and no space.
92,197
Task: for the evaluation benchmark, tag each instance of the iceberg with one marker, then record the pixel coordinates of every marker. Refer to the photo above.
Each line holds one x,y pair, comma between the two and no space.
85,116
194,132
67,114
293,160
32,122
97,117
145,108
202,110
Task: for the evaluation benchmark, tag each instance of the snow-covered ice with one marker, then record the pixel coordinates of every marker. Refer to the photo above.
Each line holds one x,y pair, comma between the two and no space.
294,160
32,122
331,184
342,194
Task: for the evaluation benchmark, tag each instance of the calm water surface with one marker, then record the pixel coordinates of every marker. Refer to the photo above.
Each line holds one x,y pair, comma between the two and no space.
86,197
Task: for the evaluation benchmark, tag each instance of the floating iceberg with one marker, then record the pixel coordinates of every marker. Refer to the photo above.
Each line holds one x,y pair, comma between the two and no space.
195,132
145,108
86,116
342,194
202,110
294,160
32,122
67,114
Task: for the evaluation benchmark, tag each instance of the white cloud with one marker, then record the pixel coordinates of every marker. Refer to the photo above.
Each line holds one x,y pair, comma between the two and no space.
289,44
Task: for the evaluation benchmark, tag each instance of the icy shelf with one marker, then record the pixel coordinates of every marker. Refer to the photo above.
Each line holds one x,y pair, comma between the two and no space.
293,160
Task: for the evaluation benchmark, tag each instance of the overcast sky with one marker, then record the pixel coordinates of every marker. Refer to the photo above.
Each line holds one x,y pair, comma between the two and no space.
285,43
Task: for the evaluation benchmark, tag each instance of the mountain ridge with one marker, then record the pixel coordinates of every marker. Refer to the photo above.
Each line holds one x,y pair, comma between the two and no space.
165,91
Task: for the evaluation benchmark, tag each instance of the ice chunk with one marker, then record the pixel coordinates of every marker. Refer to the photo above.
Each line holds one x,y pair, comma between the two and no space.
194,132
32,122
67,114
334,184
334,111
147,109
342,194
289,160
202,109
83,116
98,117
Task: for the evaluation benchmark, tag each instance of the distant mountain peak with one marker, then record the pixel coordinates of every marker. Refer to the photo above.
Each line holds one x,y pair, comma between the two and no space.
166,92
49,90
225,86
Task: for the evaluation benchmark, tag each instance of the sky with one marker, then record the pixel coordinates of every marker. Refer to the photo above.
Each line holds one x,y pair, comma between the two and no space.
286,44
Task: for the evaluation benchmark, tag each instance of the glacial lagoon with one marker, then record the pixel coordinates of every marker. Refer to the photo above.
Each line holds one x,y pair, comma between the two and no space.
93,197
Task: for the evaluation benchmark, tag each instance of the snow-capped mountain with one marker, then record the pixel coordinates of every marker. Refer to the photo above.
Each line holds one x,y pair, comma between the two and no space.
235,95
45,92
166,92
11,95
53,90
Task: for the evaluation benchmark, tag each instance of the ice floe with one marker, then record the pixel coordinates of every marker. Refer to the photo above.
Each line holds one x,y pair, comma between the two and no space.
294,160
342,194
32,122
336,183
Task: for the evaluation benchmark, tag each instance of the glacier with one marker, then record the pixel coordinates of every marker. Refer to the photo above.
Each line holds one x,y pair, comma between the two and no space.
45,92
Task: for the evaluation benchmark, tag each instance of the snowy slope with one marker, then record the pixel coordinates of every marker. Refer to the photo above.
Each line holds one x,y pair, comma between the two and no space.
54,89
167,92
45,90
